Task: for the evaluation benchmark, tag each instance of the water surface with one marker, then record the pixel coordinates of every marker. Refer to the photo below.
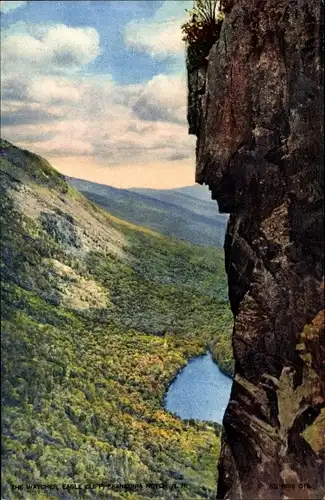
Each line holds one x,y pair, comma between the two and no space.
200,391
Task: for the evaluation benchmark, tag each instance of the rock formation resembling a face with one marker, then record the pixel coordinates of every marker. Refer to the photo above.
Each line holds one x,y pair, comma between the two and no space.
259,125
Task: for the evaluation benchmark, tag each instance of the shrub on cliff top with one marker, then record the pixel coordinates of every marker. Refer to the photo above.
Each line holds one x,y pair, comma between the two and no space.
204,22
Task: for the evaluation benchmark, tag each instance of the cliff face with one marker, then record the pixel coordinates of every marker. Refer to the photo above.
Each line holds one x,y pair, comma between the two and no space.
257,111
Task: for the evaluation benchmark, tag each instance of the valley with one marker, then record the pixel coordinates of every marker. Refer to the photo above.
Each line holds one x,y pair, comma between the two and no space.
98,316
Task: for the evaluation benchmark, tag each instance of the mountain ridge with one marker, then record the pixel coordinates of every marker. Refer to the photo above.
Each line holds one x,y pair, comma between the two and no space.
166,216
200,204
195,191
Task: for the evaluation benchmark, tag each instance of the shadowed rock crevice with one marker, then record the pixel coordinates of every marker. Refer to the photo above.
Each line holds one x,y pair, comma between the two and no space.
260,149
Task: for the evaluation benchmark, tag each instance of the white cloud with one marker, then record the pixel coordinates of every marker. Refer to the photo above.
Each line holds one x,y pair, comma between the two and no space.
159,40
52,89
48,47
76,46
66,145
52,107
97,117
161,37
162,99
7,6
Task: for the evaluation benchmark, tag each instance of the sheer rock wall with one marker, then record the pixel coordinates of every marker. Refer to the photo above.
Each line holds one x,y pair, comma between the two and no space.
258,117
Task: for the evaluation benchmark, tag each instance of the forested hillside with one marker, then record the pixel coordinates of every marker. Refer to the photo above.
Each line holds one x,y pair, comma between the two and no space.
98,315
172,213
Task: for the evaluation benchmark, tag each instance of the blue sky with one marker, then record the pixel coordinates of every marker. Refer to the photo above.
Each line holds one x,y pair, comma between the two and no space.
109,19
99,88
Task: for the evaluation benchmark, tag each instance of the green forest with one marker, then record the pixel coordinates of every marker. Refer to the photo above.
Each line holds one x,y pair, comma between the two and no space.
98,316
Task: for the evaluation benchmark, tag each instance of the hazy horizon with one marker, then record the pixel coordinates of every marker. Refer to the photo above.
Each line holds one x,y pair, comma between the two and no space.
194,184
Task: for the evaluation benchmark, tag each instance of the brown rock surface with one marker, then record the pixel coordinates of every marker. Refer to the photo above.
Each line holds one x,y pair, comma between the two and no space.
259,123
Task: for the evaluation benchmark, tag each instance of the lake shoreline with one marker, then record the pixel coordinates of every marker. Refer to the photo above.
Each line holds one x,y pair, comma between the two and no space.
179,370
207,364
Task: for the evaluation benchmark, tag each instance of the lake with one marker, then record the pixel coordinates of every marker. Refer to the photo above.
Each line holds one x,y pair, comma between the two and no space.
200,391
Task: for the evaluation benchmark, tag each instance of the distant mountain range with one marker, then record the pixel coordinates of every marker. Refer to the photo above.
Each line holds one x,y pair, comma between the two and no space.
184,213
194,191
194,198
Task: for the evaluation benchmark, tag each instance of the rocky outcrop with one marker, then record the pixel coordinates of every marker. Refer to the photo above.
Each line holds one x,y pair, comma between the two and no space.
259,127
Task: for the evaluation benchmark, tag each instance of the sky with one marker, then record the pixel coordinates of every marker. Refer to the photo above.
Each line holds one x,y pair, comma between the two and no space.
99,88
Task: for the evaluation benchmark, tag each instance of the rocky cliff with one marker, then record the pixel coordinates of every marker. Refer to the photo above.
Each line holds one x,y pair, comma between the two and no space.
256,106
